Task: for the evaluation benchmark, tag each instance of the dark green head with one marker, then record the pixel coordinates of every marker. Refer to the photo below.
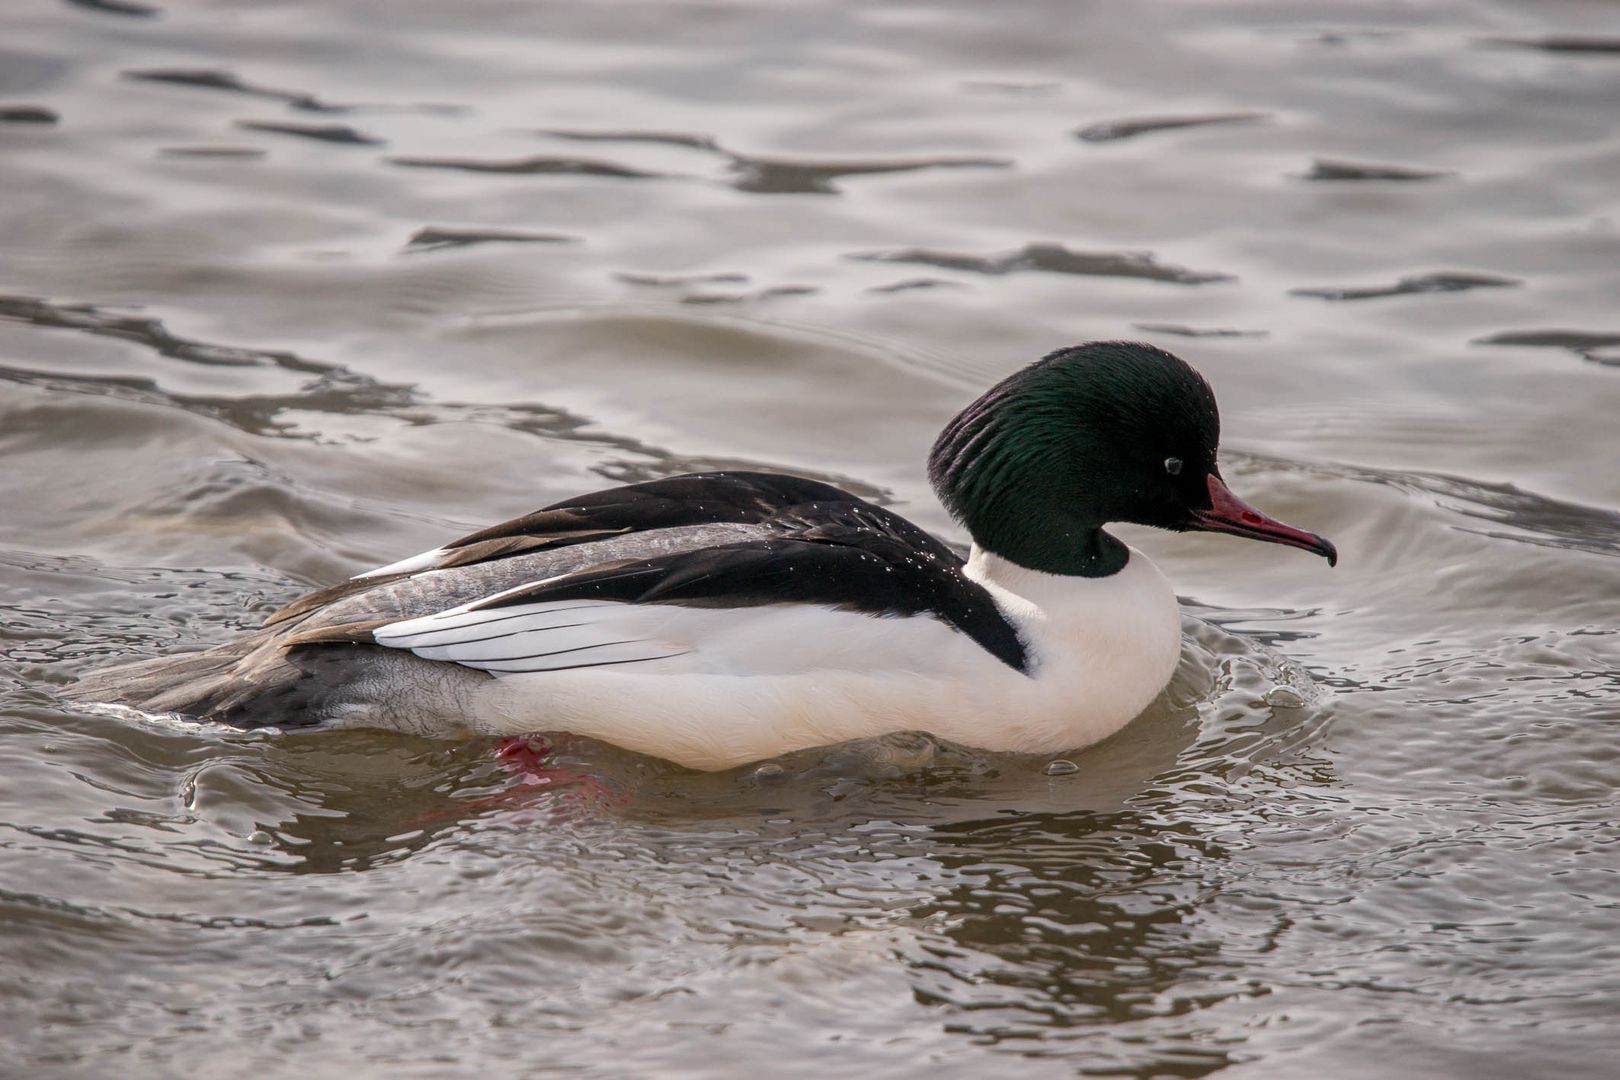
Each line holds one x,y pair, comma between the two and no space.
1110,431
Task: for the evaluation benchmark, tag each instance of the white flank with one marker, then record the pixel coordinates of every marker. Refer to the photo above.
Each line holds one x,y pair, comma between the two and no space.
714,687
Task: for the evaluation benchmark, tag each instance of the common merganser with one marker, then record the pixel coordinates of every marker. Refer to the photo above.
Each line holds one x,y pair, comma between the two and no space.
716,619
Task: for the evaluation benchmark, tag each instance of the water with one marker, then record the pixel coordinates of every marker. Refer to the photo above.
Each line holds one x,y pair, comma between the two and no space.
288,290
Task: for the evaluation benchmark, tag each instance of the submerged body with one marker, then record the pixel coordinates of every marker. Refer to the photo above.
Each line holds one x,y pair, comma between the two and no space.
717,619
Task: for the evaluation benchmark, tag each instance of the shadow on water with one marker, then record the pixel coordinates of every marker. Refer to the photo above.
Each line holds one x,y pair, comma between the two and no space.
434,238
1598,346
1182,330
119,7
761,175
1052,259
216,79
1339,170
230,82
1114,130
1569,44
27,114
341,134
531,165
1445,281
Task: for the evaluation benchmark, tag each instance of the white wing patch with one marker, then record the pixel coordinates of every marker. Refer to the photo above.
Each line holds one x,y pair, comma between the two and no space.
535,637
673,639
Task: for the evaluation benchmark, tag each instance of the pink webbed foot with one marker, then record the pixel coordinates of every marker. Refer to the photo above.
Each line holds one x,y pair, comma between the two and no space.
533,783
526,757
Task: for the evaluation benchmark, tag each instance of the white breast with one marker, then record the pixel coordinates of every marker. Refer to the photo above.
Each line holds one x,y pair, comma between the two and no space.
1103,647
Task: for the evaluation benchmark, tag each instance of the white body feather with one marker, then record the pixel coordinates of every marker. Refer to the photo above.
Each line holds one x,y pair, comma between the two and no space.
716,687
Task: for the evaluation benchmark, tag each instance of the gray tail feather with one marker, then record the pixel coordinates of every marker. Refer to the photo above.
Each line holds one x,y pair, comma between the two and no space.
212,684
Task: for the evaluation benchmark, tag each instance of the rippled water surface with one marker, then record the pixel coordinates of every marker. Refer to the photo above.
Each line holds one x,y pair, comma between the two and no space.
291,289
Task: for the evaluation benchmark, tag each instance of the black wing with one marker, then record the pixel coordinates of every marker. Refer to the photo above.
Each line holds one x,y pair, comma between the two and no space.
819,545
692,499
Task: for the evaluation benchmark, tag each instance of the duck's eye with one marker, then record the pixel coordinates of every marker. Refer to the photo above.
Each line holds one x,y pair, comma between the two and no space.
1172,465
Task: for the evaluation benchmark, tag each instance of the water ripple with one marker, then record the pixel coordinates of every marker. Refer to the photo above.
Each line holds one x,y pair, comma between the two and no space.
1053,259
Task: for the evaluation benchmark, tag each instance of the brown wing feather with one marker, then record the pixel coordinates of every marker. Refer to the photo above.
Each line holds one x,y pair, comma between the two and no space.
321,597
354,633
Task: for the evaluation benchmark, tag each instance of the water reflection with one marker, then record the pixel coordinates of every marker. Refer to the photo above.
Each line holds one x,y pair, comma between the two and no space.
1069,922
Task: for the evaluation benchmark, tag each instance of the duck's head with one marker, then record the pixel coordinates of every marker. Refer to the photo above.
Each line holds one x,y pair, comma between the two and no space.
1110,431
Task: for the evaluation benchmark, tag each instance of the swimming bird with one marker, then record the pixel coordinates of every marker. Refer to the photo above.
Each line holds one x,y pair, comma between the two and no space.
716,619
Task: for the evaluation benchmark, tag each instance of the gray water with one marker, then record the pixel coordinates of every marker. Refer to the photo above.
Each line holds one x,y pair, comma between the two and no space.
291,289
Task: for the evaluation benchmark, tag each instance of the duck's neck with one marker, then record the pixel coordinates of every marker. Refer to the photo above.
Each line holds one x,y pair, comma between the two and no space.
1008,467
1050,546
1046,590
1022,514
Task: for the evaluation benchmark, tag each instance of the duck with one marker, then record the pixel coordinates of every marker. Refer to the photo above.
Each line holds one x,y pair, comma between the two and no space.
718,619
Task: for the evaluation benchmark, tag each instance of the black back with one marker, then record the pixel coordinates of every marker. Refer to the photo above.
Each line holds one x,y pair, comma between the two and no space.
821,546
